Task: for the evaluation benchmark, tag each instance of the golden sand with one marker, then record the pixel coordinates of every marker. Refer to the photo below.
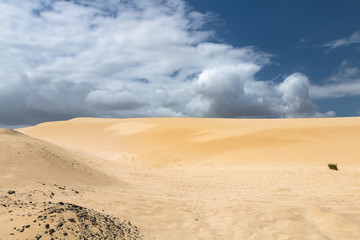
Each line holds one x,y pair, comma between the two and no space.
185,178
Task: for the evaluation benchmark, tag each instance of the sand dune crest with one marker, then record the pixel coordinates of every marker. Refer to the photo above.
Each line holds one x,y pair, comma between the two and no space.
25,159
212,142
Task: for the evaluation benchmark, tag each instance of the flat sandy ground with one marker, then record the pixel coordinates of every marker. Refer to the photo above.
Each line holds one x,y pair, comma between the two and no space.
186,178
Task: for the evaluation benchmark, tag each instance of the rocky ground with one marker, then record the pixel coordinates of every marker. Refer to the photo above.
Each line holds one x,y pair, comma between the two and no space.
23,216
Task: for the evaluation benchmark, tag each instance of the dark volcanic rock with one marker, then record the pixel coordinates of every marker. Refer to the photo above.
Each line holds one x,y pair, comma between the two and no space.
60,224
90,224
65,221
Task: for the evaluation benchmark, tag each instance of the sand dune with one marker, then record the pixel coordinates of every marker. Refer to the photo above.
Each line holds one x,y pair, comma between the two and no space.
25,159
35,177
183,179
210,142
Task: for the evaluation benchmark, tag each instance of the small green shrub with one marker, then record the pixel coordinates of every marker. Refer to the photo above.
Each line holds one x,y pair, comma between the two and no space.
333,166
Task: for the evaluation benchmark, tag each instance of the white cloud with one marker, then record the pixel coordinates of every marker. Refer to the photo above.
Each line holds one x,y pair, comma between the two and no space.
295,94
345,72
339,90
221,92
137,58
109,100
352,39
345,82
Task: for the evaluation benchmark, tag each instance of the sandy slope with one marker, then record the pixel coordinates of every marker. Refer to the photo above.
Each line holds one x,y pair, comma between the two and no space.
211,142
24,159
213,178
34,176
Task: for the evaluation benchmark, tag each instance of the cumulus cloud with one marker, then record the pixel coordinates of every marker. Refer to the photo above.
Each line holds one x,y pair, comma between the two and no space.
109,100
221,92
352,39
137,58
295,94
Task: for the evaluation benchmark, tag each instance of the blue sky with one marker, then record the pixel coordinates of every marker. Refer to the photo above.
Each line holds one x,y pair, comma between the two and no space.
175,58
295,32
